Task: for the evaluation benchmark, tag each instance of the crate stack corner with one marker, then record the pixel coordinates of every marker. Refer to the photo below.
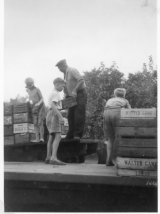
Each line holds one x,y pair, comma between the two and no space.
23,126
8,125
136,143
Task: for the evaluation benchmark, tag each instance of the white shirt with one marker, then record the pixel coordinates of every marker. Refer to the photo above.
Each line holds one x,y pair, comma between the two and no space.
55,97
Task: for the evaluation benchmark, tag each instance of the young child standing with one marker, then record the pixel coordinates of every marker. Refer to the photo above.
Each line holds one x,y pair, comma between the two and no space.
54,121
38,109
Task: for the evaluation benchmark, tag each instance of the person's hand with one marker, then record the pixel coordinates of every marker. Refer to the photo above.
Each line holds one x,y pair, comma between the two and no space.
36,104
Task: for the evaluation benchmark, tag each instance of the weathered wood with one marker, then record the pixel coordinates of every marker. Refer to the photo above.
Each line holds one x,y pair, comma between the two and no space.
8,130
23,127
137,131
21,108
23,118
136,163
138,113
137,152
81,173
24,138
139,173
9,140
138,122
8,120
137,142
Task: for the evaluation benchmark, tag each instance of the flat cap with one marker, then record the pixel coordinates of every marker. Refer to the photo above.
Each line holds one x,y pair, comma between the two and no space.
121,91
61,62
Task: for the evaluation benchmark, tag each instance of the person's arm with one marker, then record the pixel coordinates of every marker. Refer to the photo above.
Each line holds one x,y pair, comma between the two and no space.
41,98
75,73
54,107
128,105
80,82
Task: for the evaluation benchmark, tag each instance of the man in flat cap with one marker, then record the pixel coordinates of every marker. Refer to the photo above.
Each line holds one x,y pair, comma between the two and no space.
75,86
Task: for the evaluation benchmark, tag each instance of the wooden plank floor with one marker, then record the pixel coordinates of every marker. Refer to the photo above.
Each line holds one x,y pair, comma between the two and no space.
90,173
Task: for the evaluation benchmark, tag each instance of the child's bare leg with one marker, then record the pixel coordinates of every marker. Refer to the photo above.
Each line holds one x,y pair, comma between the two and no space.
49,147
109,151
55,146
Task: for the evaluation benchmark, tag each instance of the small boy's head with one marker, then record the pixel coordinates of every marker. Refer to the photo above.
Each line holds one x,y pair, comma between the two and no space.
59,84
120,92
29,82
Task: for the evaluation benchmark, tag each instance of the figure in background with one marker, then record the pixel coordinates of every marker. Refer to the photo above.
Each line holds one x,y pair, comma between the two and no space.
75,86
38,109
54,122
111,117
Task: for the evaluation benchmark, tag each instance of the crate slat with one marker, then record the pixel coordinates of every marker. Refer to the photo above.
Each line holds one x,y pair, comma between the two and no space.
24,138
21,108
136,131
22,118
138,172
137,142
137,152
136,163
138,122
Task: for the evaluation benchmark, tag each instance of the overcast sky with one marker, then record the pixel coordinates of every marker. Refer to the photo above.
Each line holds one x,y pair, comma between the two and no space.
38,33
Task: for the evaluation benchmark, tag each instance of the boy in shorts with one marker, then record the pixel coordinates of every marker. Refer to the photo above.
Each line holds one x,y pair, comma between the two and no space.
54,122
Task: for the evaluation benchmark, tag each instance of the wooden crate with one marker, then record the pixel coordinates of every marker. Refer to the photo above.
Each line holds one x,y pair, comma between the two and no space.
8,110
21,108
9,140
8,130
137,173
8,120
136,163
23,128
22,118
69,102
24,138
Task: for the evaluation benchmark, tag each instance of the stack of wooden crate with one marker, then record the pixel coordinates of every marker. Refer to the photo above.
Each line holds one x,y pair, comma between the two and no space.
23,126
8,125
136,143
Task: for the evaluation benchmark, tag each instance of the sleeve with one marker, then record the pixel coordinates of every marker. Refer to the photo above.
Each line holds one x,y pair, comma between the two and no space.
75,73
55,97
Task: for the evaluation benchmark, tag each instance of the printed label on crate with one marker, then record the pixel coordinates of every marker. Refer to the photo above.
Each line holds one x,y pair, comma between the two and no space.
7,120
138,113
136,163
23,127
138,172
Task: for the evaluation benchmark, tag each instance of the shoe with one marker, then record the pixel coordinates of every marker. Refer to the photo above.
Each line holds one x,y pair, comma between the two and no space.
35,141
56,162
42,140
109,163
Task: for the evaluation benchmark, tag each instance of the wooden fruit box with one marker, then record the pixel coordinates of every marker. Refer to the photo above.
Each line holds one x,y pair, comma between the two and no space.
8,130
8,110
136,163
22,118
9,140
21,108
69,102
23,128
24,138
8,120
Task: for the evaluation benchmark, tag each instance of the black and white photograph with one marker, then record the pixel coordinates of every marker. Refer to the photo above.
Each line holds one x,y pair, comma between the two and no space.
79,106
